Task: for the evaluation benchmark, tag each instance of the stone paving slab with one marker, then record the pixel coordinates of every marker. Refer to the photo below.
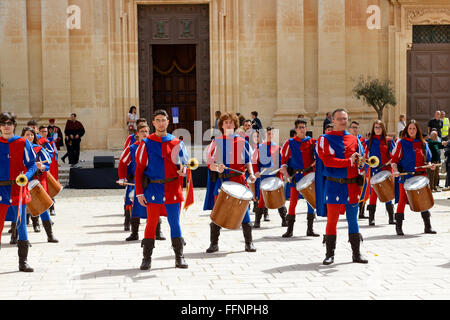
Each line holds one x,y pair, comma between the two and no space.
92,260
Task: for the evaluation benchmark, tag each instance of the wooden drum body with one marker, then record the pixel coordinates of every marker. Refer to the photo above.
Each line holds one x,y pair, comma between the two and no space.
272,190
54,187
419,193
383,184
231,205
40,200
252,189
307,187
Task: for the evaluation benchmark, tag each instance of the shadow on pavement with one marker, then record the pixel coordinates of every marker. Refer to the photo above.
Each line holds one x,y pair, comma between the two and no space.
108,232
131,273
104,225
201,255
109,216
281,239
447,265
315,266
392,237
103,243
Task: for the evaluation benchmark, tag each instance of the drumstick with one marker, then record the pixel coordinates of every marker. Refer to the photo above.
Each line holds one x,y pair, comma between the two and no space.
429,166
274,172
125,183
237,171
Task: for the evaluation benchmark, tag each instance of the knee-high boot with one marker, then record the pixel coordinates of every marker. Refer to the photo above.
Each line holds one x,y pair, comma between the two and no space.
362,206
177,245
147,245
159,234
283,212
48,230
310,231
390,211
266,214
355,240
330,242
52,209
258,215
36,226
371,208
426,220
14,233
23,255
247,230
214,237
127,215
399,217
290,219
134,229
28,218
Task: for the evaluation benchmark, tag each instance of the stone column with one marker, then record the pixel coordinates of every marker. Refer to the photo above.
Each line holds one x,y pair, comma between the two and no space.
331,57
290,65
55,60
14,59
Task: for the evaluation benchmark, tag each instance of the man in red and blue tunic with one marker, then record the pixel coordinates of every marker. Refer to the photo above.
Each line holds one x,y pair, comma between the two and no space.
340,153
54,170
16,157
297,159
160,168
230,151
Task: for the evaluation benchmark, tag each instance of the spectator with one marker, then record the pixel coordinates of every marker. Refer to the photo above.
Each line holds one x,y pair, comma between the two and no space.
55,133
256,123
435,123
401,124
326,121
217,114
328,128
435,145
74,131
292,133
241,120
245,129
445,126
132,117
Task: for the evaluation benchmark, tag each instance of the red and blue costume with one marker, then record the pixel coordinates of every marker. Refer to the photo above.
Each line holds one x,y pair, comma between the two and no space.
42,156
128,203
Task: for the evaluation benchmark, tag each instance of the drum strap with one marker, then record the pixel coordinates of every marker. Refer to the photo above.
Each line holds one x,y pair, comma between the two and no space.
7,183
230,175
161,181
302,171
359,180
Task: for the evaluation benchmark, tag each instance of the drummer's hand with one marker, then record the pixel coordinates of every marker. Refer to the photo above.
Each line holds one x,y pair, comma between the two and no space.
40,166
182,172
220,168
122,182
396,174
252,178
142,200
258,175
355,159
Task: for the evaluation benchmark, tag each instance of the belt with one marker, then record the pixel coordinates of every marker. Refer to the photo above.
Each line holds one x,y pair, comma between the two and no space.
161,181
301,171
343,180
230,175
7,183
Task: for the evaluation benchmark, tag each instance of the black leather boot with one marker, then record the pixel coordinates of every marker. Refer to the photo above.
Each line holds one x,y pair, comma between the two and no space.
399,217
52,209
159,234
127,215
134,230
148,245
362,206
371,208
48,230
330,242
355,240
426,220
14,233
36,226
310,232
177,245
283,212
214,237
266,214
28,218
290,219
390,211
247,230
23,255
11,229
255,206
258,215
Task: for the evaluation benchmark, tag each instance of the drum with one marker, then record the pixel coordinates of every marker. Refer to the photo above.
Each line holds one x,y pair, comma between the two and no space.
231,205
252,188
383,184
272,190
54,187
40,200
306,186
419,193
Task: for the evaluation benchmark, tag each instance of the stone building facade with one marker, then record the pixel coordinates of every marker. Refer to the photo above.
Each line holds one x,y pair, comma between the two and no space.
278,57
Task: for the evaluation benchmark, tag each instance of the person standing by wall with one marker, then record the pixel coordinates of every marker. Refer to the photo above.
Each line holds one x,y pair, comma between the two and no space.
445,126
55,134
435,147
74,130
435,123
401,124
132,117
256,123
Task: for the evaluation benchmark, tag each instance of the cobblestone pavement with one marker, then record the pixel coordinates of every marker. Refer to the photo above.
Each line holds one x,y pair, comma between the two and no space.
92,260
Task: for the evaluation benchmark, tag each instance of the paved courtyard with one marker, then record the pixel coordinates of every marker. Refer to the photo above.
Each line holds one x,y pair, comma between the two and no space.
92,260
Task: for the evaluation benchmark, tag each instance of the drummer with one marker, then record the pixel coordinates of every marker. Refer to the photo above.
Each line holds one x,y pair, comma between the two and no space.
268,158
43,165
43,132
127,168
411,151
297,160
232,151
340,151
380,146
18,155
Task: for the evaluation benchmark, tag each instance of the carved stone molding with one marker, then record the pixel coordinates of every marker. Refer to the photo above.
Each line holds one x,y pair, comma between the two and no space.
427,16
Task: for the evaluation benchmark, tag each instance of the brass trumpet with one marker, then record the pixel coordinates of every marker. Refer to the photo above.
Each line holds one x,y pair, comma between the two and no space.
373,161
21,180
192,164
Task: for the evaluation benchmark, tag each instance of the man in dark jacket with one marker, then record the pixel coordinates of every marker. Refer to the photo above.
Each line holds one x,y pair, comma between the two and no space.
256,123
55,133
74,131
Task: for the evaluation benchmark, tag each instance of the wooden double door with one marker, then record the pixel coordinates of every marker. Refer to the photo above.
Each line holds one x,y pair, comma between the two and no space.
174,67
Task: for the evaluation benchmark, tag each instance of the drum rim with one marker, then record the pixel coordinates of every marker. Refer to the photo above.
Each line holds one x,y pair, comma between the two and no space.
225,183
313,175
384,173
271,179
32,184
416,178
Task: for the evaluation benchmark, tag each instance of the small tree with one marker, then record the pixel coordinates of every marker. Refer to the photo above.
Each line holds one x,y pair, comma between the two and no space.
375,93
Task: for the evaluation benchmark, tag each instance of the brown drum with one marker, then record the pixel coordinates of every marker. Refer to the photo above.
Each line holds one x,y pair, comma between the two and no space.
419,193
54,187
252,188
383,184
40,200
272,190
307,187
231,205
